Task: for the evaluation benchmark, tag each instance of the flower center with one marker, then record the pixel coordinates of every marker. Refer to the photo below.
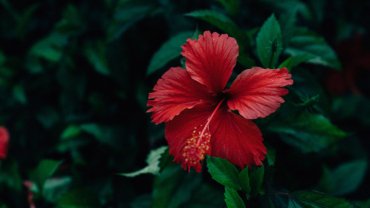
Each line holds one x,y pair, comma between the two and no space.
224,95
198,145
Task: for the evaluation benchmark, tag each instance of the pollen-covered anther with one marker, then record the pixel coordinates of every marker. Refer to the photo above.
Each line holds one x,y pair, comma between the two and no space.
195,149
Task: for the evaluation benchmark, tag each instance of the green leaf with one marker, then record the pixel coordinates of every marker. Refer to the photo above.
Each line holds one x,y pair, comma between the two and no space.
173,187
245,60
271,156
244,180
55,187
308,94
142,201
344,179
231,6
49,48
10,176
165,185
294,61
278,199
293,204
223,172
233,199
308,132
206,196
152,160
103,133
352,107
71,23
168,51
289,12
165,160
314,47
95,54
362,204
269,42
311,199
70,132
222,22
78,198
125,16
19,94
44,170
95,130
256,180
48,116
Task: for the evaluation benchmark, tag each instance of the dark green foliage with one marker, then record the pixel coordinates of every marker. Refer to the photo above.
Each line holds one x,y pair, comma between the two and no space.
232,198
311,199
244,180
344,179
220,21
168,51
313,47
308,132
74,81
78,198
269,42
223,172
256,180
43,171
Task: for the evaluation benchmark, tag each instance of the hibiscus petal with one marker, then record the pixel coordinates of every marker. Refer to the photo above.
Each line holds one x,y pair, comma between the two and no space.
4,142
211,59
181,130
173,93
236,139
228,136
257,92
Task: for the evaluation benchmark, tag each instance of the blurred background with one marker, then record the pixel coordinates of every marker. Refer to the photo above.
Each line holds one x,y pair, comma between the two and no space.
74,80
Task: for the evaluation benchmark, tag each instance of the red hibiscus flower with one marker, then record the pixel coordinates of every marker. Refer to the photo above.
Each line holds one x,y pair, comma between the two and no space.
202,117
4,140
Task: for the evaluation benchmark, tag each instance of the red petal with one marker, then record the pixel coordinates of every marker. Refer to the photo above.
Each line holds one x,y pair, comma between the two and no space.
236,139
229,136
4,141
256,92
181,130
211,59
173,93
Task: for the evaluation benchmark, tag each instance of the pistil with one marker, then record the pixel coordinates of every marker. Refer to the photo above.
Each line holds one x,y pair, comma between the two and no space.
206,126
199,144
